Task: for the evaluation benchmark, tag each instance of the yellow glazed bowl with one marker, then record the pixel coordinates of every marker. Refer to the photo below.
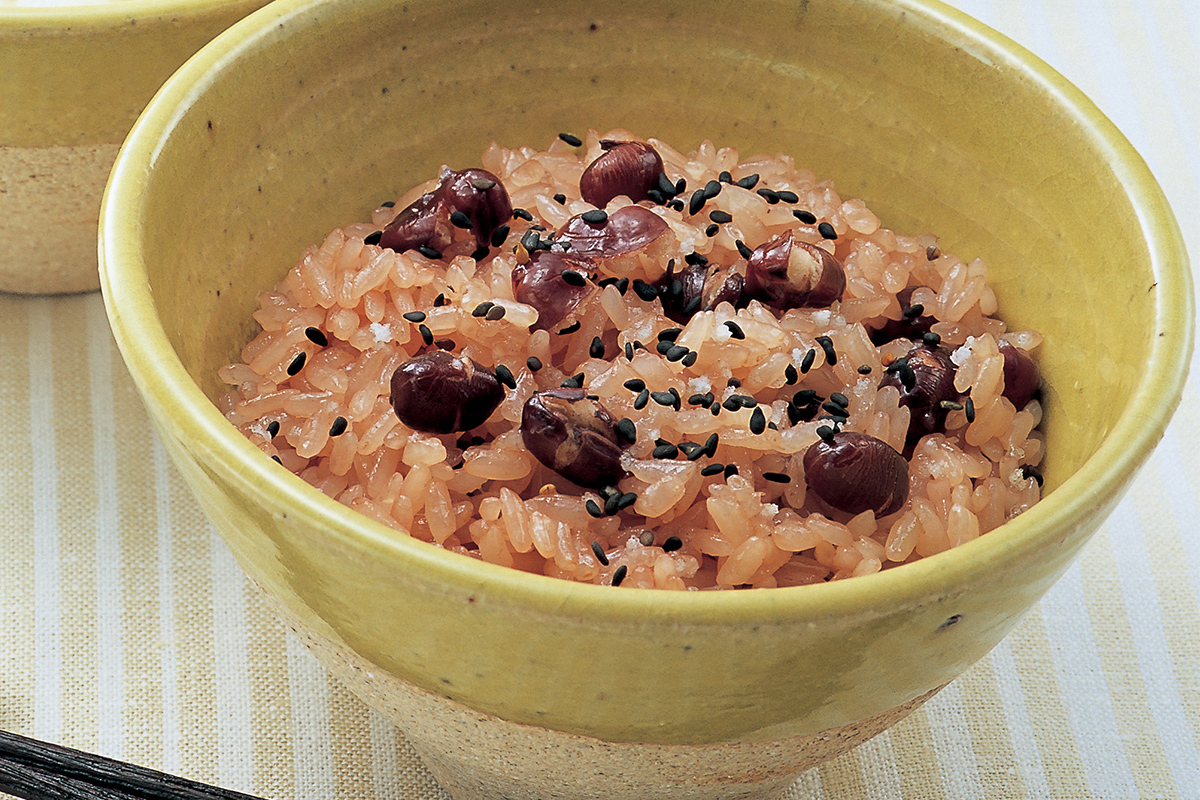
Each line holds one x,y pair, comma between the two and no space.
73,78
301,117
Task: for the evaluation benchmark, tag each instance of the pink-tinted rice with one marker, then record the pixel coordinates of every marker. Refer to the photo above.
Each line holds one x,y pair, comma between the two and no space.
492,500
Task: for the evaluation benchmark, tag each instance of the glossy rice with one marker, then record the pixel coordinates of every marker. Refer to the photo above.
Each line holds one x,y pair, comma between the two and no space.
482,494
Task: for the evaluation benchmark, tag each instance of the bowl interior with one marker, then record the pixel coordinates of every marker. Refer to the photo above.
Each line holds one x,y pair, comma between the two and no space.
309,114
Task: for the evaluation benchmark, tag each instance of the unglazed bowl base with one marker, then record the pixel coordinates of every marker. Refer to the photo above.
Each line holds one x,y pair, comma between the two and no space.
49,214
476,756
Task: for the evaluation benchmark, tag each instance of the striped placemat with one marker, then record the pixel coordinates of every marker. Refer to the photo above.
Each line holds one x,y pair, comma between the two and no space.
128,629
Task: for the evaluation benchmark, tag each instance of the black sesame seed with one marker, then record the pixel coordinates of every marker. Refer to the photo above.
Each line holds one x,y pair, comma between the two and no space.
696,202
626,500
672,544
840,399
1030,471
913,311
571,139
634,384
595,216
663,346
695,259
533,363
734,382
864,369
698,400
746,400
629,351
712,189
710,444
273,428
373,238
520,213
460,220
712,469
725,176
676,353
495,313
530,240
969,408
743,250
388,204
807,217
730,470
931,339
499,235
642,399
693,451
769,195
339,426
735,330
692,307
429,252
807,362
933,253
623,286
790,375
777,477
439,301
626,430
676,205
610,505
596,349
758,421
619,575
833,409
787,196
826,230
316,336
663,398
505,376
667,450
748,182
480,310
574,382
574,278
426,334
665,186
593,508
574,326
560,198
690,359
794,414
415,316
731,403
445,344
596,548
297,363
644,290
277,460
669,334
712,230
827,345
826,433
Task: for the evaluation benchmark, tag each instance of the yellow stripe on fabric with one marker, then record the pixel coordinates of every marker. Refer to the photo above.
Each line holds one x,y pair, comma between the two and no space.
77,504
17,609
984,712
271,705
1029,648
1127,693
917,765
350,735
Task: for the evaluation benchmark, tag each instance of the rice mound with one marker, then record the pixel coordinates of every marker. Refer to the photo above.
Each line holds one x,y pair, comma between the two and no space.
482,493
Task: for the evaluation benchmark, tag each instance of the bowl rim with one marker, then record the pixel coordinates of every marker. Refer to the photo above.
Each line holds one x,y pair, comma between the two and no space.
1098,481
103,13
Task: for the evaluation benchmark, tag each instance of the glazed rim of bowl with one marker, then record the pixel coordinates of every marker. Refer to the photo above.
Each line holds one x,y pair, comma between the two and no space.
101,12
130,305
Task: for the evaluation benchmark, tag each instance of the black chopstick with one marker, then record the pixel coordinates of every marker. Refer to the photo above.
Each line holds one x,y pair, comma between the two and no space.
36,770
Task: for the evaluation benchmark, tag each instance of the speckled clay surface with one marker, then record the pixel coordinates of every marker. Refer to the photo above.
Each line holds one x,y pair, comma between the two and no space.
50,207
476,756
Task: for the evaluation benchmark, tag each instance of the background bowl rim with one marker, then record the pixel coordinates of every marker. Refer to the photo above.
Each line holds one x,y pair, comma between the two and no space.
1100,479
81,17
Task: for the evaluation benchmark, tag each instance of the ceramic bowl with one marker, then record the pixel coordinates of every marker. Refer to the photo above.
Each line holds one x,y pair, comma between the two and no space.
75,78
510,685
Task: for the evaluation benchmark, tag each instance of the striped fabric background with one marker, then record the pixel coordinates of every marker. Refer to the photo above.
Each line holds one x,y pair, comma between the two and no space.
128,630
